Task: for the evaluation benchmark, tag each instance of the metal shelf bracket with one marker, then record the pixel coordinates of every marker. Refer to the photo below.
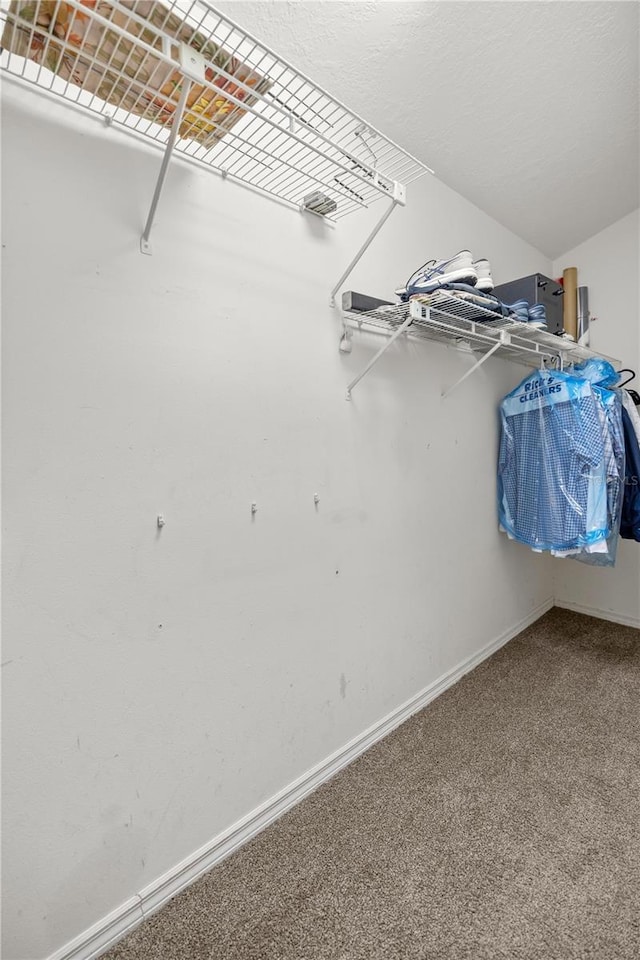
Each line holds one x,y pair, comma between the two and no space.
192,66
477,364
399,199
392,339
145,246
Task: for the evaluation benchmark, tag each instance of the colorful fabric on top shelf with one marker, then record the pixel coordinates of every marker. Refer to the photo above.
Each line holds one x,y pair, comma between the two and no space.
84,52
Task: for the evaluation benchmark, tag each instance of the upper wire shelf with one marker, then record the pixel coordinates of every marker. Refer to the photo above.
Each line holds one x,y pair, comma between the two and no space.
248,115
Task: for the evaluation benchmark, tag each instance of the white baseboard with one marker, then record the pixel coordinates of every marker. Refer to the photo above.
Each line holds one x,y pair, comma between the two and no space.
600,614
113,927
102,934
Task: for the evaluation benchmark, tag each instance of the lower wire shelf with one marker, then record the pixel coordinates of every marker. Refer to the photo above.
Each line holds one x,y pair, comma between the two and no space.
466,326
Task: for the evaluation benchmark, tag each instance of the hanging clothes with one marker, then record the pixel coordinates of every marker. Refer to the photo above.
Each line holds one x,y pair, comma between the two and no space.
602,375
632,411
552,490
604,552
569,463
630,522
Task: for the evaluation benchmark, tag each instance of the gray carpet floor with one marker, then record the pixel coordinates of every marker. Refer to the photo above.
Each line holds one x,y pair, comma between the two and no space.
503,821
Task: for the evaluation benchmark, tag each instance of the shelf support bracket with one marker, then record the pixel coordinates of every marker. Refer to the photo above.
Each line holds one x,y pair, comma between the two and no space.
401,329
145,246
473,369
399,199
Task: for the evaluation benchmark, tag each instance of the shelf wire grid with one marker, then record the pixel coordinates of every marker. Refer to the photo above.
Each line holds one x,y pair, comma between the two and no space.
282,134
453,320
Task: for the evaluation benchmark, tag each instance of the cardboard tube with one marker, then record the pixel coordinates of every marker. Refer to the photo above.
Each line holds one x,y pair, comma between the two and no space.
570,301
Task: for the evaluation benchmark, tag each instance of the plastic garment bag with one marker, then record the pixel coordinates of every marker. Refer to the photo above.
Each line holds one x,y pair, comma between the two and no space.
552,468
610,410
598,371
602,375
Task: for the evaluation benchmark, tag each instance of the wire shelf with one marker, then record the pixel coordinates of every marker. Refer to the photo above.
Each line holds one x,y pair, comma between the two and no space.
250,116
452,320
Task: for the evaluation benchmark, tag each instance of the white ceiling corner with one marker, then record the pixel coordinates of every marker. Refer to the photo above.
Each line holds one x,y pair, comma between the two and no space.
528,108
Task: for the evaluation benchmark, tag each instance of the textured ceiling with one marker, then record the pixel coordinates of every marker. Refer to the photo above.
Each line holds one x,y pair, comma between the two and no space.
529,109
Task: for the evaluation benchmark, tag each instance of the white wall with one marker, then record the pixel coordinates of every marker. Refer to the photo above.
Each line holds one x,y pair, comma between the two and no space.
608,264
161,685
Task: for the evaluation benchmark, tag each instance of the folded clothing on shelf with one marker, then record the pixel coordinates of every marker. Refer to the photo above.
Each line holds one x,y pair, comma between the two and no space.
471,280
543,295
534,315
471,296
80,50
489,307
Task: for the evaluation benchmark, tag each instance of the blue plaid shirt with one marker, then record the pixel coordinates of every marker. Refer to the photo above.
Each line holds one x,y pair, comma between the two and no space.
550,463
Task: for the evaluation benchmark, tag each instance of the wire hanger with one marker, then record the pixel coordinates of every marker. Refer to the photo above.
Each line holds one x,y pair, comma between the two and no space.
635,396
629,379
